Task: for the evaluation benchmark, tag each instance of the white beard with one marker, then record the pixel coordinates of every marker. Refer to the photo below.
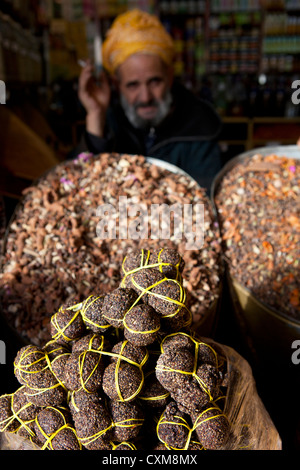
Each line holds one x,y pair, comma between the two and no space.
163,109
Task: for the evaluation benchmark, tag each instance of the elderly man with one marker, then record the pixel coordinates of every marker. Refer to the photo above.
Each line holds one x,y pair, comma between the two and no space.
137,107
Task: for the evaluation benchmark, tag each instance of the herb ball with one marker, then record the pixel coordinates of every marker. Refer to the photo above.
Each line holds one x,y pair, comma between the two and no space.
128,420
84,370
153,394
174,368
23,409
211,426
143,281
141,325
179,340
29,362
46,393
123,350
54,429
172,428
7,419
67,324
91,312
134,261
122,381
170,262
116,304
167,297
92,420
33,369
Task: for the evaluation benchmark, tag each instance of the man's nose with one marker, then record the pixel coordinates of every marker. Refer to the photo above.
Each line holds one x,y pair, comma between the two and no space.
145,94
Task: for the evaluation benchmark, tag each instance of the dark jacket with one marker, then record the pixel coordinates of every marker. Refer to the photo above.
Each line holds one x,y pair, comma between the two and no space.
187,138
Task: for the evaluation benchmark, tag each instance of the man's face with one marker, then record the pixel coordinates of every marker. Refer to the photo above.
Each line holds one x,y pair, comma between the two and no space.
144,83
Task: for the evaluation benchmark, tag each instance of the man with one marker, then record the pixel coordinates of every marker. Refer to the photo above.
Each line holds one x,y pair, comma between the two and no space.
141,110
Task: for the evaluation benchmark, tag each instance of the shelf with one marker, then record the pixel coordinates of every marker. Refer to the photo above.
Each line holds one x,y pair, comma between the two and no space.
259,131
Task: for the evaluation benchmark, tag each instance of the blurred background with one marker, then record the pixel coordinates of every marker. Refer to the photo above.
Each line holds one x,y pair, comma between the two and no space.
241,55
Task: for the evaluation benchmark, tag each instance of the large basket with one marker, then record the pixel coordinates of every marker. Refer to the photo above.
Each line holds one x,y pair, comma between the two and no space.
207,324
267,332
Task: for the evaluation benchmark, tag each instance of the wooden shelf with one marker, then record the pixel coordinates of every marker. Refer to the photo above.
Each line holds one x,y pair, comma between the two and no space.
260,131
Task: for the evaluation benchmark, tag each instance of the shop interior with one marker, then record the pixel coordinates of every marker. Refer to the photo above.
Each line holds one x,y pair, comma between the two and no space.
243,56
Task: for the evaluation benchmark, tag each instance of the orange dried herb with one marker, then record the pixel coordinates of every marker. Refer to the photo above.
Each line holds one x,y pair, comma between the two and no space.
258,208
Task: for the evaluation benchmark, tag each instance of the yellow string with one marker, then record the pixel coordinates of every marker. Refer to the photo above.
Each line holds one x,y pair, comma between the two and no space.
126,423
61,331
81,360
85,306
183,422
15,415
21,367
139,366
49,439
145,332
48,365
124,443
195,365
155,398
86,441
145,264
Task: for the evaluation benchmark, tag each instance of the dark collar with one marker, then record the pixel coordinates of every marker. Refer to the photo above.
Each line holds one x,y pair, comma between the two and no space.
190,119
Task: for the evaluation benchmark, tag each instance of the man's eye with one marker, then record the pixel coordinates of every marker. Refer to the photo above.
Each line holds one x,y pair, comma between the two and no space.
156,81
132,85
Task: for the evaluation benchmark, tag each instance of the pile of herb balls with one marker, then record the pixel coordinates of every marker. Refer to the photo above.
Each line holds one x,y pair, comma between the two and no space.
122,371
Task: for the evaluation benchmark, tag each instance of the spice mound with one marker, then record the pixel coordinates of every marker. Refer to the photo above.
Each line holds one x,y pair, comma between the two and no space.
136,384
61,243
258,209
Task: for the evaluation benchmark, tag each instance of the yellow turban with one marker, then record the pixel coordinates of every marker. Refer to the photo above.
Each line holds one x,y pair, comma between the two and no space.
133,32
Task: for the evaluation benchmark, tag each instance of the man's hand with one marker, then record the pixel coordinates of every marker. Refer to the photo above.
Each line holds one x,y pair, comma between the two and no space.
95,98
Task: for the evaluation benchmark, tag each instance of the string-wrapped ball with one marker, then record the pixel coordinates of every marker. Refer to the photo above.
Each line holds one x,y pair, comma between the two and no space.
141,325
174,368
172,428
7,421
191,383
32,368
143,281
125,350
67,324
128,419
54,429
153,395
91,312
122,381
116,304
84,370
169,261
211,426
135,261
29,362
166,260
92,420
168,298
